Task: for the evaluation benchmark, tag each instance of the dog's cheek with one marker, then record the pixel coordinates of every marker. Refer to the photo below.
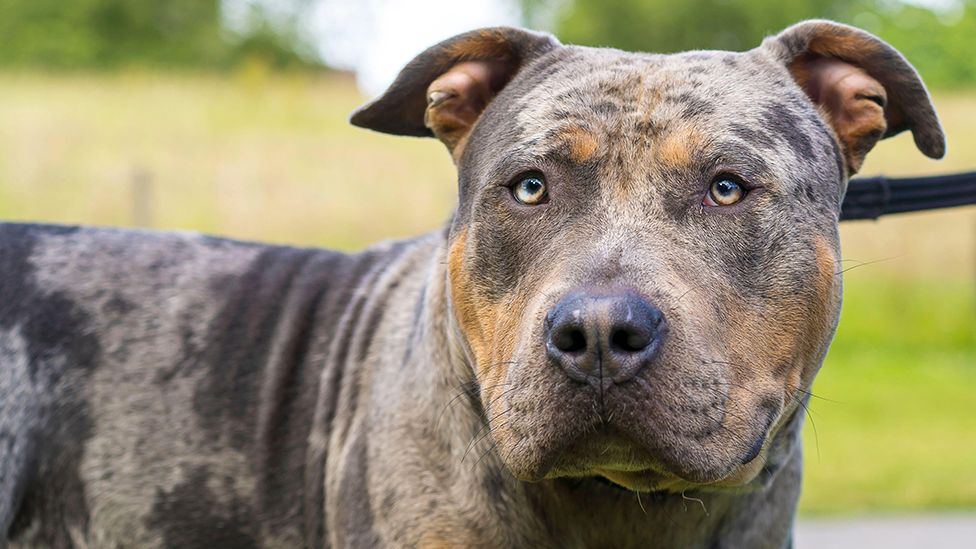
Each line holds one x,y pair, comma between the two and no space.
773,306
822,314
805,316
788,334
488,326
797,352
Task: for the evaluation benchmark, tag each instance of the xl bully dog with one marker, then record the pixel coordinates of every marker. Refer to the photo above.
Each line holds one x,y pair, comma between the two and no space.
610,343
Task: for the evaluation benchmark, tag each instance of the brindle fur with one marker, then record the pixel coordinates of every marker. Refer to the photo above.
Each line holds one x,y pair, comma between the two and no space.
173,390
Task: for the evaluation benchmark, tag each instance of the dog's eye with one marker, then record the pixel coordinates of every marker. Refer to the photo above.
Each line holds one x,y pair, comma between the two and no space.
530,189
724,192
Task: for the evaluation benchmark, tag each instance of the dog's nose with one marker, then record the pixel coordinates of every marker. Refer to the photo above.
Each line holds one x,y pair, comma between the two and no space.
603,337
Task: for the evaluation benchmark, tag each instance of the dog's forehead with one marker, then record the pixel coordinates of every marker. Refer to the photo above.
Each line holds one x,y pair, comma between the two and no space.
741,101
605,81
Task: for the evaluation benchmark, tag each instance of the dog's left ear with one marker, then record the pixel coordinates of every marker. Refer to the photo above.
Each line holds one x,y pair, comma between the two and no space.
864,87
444,90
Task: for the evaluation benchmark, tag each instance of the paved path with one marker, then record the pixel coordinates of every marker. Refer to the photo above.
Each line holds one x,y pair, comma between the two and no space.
908,532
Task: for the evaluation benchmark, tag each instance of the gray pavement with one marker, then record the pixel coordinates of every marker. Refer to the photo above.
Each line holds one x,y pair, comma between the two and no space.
896,532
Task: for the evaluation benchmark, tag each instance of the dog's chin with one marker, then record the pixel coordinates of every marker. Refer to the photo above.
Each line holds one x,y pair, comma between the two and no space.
616,458
647,480
652,480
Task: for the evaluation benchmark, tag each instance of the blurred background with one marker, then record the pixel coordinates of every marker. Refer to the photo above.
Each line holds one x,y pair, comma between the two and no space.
229,117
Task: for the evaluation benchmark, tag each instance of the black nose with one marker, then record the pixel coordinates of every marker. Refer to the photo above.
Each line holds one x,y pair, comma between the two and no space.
603,337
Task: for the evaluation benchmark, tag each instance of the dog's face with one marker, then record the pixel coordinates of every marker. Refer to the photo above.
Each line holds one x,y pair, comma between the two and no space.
644,265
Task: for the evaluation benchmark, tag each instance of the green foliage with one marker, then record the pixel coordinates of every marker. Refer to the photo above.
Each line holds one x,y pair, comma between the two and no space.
58,34
272,38
939,45
937,42
667,26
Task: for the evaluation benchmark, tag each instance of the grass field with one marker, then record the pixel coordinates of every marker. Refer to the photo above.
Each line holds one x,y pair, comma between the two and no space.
273,159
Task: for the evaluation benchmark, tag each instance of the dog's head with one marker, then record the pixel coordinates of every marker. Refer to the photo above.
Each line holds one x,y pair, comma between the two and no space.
644,263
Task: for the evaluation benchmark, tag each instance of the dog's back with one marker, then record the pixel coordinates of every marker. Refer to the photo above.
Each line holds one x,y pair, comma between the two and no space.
161,387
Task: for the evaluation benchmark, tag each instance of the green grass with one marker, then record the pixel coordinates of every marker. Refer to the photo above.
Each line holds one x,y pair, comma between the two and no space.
273,159
257,157
895,412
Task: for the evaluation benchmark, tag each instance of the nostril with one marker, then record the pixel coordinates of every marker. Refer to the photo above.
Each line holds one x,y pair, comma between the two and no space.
629,340
570,340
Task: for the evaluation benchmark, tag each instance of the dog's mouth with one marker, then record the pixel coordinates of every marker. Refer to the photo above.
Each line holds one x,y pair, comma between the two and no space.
611,454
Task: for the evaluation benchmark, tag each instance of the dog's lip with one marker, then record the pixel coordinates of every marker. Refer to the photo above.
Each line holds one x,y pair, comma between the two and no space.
645,480
631,466
756,448
613,455
606,451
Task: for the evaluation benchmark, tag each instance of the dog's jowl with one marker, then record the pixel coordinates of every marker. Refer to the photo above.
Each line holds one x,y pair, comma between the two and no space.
609,345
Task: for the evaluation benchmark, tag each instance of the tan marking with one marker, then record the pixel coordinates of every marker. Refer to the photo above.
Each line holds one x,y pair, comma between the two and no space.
440,541
829,43
460,293
485,44
791,332
679,146
582,144
802,347
491,329
821,313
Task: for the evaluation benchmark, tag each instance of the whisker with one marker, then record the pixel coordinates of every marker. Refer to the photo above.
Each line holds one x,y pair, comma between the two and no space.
682,296
491,447
509,454
811,394
816,436
484,431
466,389
701,502
866,263
500,396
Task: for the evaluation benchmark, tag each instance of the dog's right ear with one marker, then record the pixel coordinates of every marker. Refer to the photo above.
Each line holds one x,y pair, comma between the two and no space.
444,90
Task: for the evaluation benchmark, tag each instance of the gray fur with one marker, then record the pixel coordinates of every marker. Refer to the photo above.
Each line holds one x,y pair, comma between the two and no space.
174,390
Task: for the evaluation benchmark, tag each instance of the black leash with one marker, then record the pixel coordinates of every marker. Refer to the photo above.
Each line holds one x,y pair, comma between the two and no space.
872,197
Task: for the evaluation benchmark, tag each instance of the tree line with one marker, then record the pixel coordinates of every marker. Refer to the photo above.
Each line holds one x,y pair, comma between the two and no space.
84,34
937,37
106,34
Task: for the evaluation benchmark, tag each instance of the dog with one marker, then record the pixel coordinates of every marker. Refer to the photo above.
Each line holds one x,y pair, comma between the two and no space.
610,344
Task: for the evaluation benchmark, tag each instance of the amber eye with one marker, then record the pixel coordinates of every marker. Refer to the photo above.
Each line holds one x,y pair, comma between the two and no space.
724,192
530,189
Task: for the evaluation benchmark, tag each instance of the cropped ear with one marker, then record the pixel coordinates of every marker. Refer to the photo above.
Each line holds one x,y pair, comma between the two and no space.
864,87
444,90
